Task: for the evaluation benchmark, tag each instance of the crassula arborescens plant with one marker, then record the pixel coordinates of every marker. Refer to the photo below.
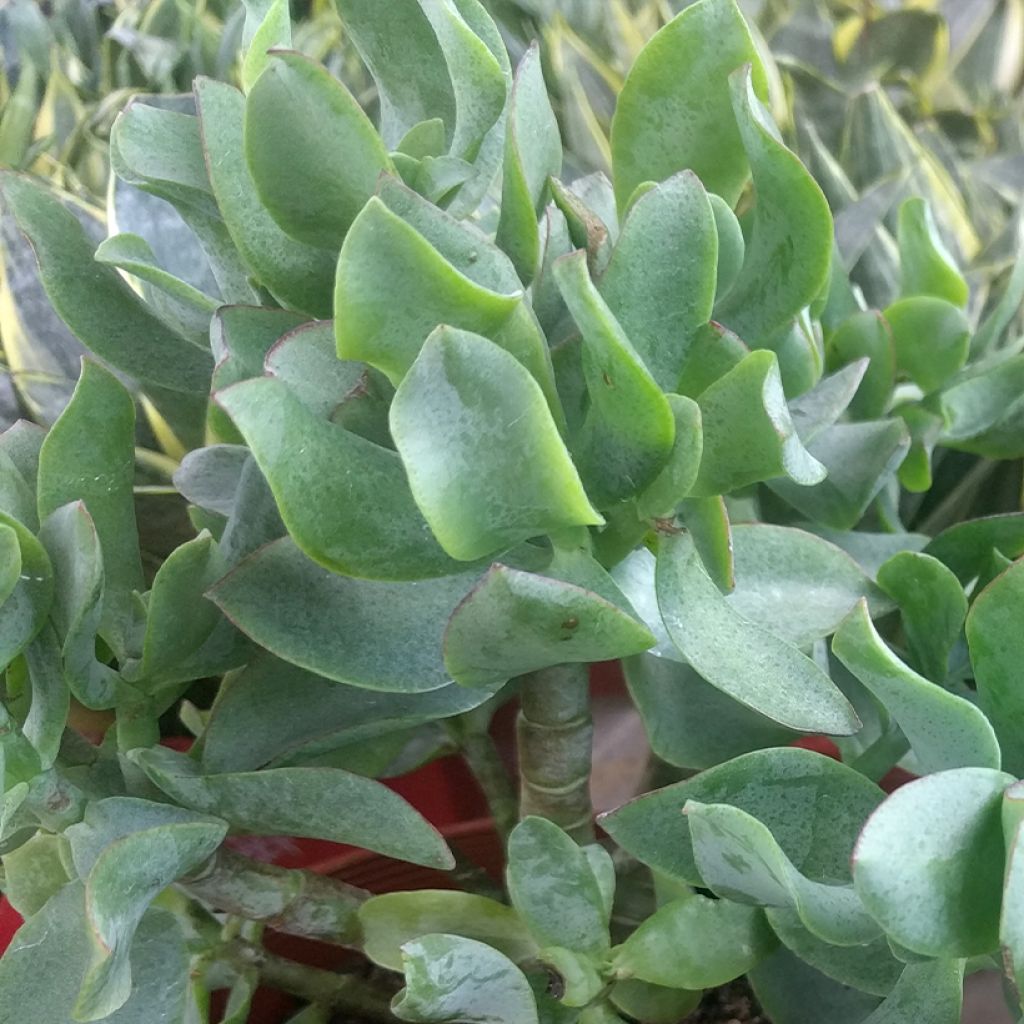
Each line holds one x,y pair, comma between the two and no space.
457,430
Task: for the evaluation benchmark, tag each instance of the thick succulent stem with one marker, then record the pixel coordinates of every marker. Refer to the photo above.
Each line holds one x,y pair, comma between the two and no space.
555,736
486,765
340,992
292,901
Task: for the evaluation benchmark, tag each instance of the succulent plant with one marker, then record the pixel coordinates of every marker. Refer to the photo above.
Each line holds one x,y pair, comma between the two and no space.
452,429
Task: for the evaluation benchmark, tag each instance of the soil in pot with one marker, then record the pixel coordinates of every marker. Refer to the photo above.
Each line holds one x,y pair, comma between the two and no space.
731,1004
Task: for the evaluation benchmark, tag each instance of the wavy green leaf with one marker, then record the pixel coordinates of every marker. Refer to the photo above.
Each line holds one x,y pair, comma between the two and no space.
786,265
313,154
484,459
391,920
554,889
739,657
748,432
298,275
93,299
533,153
88,456
996,647
392,637
929,863
629,429
813,806
674,112
448,978
660,281
346,501
315,803
739,859
693,943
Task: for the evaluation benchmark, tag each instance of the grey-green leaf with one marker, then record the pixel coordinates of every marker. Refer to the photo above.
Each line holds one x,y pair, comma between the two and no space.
741,658
317,803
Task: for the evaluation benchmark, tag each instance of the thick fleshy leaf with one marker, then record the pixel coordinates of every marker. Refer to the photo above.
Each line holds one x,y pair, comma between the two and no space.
787,580
731,245
181,304
675,113
944,730
927,993
391,920
10,561
996,648
179,619
45,963
787,258
298,275
482,453
209,477
748,432
859,458
707,520
740,657
307,361
515,622
982,411
345,500
967,547
926,264
267,25
393,631
866,334
408,95
629,428
1011,925
775,980
275,713
159,153
795,584
691,723
313,154
929,863
694,943
466,249
933,606
460,79
48,712
381,246
24,613
35,872
817,409
315,803
814,807
126,862
660,281
640,1000
931,339
94,301
88,456
869,968
739,859
71,540
667,491
448,978
533,153
554,889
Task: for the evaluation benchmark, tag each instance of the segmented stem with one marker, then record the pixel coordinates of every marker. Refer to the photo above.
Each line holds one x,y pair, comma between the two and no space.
555,738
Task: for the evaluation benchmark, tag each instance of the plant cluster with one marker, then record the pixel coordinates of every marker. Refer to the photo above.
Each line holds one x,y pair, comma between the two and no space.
451,429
